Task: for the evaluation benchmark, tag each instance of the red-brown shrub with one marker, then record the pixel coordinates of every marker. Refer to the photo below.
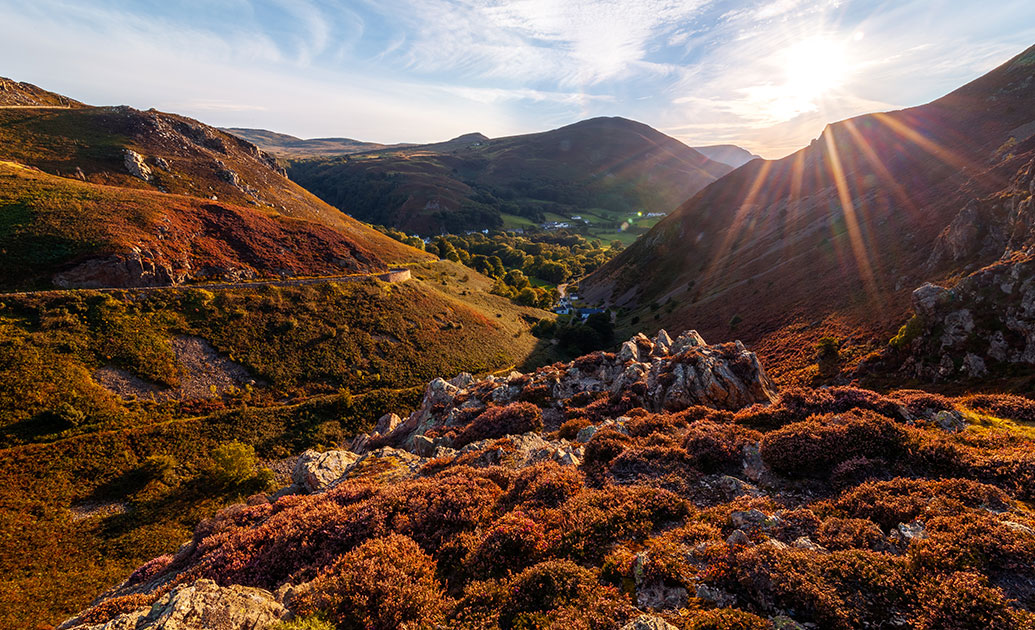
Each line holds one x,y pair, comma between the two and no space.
964,601
591,523
511,544
717,448
728,619
850,533
605,445
544,485
496,422
901,500
814,447
646,424
543,595
384,584
570,429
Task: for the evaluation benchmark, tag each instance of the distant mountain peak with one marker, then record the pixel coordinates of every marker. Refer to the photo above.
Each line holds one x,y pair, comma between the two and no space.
471,137
729,154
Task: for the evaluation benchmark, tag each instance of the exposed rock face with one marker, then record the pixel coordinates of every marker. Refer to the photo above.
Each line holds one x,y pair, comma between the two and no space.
202,605
315,471
136,166
983,324
136,268
662,374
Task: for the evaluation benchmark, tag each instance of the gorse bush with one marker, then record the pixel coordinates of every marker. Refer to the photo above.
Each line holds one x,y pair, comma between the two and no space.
233,463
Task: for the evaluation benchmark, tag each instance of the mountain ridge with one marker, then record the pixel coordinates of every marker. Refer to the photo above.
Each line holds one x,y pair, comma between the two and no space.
613,163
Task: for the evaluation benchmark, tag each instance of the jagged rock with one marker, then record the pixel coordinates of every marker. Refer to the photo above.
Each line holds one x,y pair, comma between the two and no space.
927,297
805,543
423,446
689,339
316,471
782,622
386,424
717,596
662,343
724,376
136,166
162,163
748,519
202,605
738,538
648,622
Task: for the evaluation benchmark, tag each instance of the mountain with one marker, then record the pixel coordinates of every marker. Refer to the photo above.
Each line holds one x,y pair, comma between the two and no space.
602,169
285,146
729,154
98,195
831,240
668,483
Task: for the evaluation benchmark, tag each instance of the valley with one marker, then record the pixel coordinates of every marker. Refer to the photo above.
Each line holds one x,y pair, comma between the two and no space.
252,381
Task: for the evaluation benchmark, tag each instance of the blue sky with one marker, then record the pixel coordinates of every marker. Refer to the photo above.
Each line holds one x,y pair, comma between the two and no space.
767,75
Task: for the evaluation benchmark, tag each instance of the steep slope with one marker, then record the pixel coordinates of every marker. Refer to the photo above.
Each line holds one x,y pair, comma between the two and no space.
283,145
729,154
608,166
843,229
176,193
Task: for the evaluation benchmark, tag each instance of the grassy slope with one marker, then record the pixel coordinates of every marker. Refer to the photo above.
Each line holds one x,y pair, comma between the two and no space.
381,342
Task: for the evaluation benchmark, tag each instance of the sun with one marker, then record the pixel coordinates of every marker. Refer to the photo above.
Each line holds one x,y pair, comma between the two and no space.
814,67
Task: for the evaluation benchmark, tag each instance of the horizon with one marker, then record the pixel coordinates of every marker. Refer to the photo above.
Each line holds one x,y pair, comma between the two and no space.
766,76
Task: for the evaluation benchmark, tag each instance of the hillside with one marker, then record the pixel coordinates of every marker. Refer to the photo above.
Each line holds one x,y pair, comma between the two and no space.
729,154
17,95
614,493
115,195
831,240
113,404
602,170
285,146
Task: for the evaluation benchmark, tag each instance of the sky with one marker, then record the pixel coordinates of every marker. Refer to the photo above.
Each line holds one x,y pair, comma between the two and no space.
767,75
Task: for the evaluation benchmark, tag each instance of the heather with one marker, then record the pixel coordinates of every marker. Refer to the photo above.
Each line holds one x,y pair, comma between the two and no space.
834,508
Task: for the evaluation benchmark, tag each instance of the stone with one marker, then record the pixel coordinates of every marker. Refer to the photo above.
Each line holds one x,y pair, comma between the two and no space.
585,433
738,538
662,343
950,421
974,366
423,446
748,519
648,622
202,605
136,166
689,339
315,471
629,352
927,297
386,424
912,531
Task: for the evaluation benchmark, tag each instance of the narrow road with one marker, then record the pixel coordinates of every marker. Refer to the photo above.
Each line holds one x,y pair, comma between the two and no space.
218,286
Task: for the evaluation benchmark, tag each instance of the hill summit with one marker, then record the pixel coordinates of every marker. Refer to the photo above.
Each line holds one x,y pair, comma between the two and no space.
600,170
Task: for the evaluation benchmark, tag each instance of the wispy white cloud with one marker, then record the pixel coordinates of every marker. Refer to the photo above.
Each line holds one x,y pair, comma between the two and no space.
768,74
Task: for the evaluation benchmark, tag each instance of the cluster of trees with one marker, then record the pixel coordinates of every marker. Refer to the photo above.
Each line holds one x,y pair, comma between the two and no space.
519,262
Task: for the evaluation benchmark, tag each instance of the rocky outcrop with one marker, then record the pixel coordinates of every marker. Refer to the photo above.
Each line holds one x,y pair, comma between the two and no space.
202,605
662,374
980,326
314,471
136,166
136,268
